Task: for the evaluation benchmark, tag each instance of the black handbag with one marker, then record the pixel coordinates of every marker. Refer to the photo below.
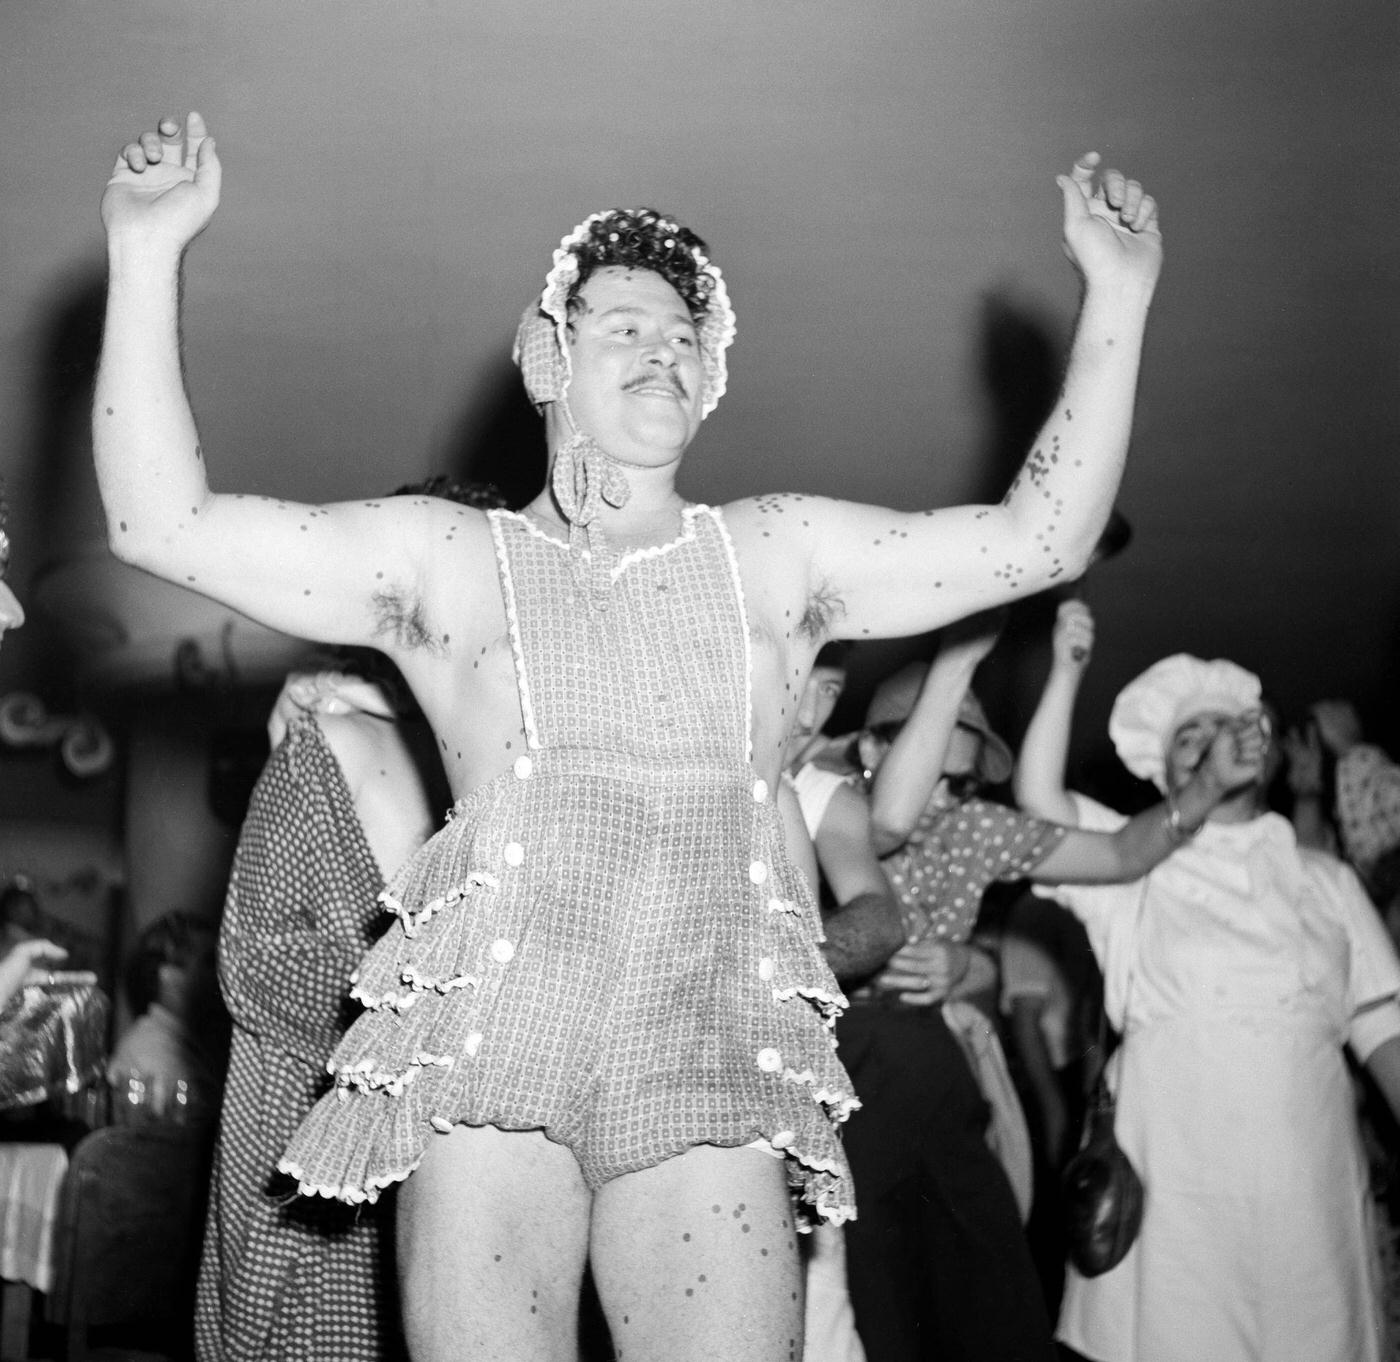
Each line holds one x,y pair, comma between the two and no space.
1102,1192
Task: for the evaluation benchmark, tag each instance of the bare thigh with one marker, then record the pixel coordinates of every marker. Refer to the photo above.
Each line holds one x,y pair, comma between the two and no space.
492,1239
697,1258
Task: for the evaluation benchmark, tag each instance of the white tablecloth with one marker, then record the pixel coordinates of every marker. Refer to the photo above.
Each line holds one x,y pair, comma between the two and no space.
31,1177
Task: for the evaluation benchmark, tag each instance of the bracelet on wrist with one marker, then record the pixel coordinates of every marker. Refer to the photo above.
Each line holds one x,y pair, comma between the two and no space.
1177,831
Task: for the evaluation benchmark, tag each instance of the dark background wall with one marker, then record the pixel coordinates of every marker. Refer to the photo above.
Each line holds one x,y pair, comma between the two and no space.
876,182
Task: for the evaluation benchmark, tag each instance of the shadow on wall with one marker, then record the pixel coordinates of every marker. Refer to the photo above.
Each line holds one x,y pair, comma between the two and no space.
500,439
1020,361
65,507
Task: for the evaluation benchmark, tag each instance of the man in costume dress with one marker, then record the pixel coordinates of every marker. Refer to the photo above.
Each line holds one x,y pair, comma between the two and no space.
600,1031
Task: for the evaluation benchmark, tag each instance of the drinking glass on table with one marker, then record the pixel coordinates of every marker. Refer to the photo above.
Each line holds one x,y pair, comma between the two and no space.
133,1099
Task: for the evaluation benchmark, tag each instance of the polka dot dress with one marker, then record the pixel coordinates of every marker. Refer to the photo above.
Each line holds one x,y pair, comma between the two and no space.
607,942
284,1280
957,849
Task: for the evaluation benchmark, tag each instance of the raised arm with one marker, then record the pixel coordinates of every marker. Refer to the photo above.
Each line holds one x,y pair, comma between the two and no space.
1303,763
313,571
865,928
1039,782
1232,764
911,768
881,573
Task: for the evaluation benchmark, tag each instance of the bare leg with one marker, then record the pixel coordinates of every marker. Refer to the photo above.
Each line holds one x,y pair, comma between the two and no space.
492,1239
697,1258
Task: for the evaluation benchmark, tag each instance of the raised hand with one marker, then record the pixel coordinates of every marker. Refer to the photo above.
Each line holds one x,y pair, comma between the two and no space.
1236,756
1072,639
1111,230
1338,725
164,186
1302,747
21,965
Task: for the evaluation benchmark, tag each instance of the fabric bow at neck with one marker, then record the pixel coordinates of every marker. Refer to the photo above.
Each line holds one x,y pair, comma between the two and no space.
585,477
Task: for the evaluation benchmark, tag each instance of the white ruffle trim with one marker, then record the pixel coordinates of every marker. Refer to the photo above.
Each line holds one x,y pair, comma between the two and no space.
412,919
348,1192
830,1005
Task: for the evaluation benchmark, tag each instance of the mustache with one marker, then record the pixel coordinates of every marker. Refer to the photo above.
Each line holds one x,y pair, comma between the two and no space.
672,380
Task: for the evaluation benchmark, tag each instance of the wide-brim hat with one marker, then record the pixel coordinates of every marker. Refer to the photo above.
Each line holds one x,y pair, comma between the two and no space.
1150,708
893,702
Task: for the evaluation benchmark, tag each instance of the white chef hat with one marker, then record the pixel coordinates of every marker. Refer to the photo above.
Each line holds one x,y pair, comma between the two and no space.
1150,709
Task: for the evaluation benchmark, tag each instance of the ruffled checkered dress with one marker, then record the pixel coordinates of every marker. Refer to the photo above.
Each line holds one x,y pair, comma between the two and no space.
283,1279
608,942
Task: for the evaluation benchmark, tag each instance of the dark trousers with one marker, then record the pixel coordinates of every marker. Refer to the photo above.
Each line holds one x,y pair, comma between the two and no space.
938,1265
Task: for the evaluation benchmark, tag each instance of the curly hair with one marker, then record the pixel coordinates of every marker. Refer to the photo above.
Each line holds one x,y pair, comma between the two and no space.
644,239
485,496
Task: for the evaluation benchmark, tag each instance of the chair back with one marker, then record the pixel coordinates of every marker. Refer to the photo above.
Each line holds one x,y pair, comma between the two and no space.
129,1231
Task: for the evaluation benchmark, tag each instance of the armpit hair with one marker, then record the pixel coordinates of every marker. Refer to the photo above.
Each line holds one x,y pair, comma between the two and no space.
401,619
824,608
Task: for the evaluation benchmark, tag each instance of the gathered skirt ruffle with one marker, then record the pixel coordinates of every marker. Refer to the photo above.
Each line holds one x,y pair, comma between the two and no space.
630,965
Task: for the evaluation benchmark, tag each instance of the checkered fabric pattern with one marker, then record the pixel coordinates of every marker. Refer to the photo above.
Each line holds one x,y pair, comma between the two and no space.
283,1279
607,943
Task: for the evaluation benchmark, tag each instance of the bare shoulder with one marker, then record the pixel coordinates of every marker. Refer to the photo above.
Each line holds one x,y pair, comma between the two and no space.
356,740
819,528
783,543
450,580
788,517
